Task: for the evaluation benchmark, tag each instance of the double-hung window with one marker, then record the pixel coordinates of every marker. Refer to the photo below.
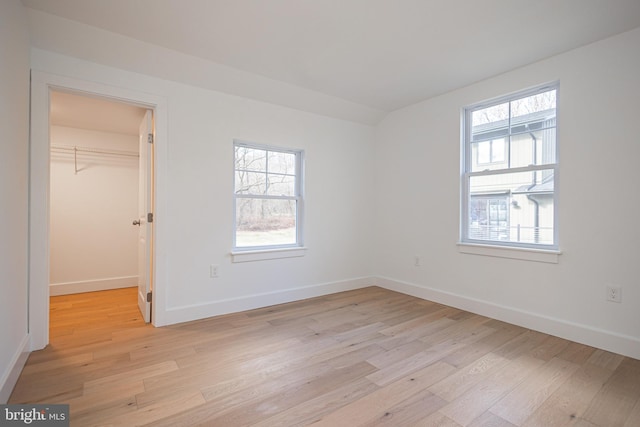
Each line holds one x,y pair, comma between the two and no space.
510,171
268,197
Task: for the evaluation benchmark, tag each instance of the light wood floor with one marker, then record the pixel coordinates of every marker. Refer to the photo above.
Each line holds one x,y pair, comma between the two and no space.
359,358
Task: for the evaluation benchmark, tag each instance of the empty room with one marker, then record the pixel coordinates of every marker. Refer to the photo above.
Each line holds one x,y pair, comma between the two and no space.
291,213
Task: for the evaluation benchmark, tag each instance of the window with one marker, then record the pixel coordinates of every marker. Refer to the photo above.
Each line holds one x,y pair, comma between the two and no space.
268,197
490,151
510,171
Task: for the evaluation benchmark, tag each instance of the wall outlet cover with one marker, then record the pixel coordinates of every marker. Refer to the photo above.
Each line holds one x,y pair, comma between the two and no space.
614,293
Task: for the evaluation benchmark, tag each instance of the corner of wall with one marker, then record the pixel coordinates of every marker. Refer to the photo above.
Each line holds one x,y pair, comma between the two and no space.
11,375
584,334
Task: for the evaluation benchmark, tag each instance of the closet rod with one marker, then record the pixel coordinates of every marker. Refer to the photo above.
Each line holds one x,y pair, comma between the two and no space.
76,149
94,150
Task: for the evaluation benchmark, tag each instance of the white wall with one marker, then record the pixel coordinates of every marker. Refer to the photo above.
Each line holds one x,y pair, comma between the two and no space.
370,210
93,242
417,203
14,143
195,191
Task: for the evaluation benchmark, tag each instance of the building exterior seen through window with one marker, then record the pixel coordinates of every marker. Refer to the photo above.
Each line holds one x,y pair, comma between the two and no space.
510,170
268,197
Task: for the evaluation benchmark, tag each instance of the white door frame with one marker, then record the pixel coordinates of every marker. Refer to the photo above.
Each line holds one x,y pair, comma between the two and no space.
41,86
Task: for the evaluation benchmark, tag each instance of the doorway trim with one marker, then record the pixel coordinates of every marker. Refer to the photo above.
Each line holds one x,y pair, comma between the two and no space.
41,86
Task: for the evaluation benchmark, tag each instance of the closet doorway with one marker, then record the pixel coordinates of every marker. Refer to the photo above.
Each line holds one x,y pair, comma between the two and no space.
100,196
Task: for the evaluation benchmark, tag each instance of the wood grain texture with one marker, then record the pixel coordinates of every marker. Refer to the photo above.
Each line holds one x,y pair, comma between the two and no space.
367,357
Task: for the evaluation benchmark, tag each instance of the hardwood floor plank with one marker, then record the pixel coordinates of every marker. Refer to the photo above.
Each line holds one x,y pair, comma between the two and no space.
102,400
313,410
374,406
129,376
357,358
617,397
455,385
569,402
415,323
432,354
550,348
65,381
49,365
436,420
481,397
491,420
250,405
251,391
634,416
576,353
521,344
105,415
502,334
152,414
291,394
428,325
528,396
409,411
397,354
605,359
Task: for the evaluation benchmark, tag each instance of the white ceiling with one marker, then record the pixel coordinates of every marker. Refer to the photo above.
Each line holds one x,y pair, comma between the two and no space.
383,54
84,112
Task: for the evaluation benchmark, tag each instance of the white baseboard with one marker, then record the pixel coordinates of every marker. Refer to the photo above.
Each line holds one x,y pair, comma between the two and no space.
92,285
606,340
10,376
250,302
599,338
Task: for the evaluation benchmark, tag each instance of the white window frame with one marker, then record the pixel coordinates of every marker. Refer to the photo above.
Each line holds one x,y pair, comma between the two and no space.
507,249
256,253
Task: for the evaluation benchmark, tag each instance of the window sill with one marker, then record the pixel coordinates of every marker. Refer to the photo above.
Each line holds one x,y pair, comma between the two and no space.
265,254
525,254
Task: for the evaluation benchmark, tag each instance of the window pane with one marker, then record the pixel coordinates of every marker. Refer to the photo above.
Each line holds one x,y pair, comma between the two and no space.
484,151
512,207
534,148
541,102
251,183
497,150
490,123
251,159
282,185
489,218
489,155
533,112
280,162
264,222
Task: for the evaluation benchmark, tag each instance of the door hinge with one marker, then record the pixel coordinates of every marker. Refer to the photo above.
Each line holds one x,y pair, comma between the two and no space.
149,217
150,138
148,296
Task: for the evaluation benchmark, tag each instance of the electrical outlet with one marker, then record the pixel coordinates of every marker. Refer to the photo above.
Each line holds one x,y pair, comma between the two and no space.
614,293
417,261
213,271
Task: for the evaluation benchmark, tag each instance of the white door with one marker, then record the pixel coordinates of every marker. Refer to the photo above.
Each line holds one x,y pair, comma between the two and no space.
145,216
